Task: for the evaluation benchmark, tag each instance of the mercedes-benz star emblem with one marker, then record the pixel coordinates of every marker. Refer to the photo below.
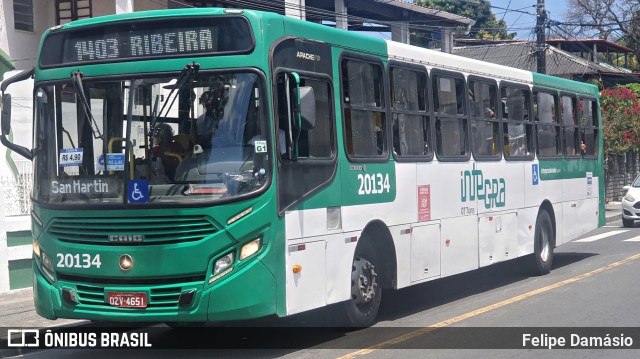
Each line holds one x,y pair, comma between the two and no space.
126,262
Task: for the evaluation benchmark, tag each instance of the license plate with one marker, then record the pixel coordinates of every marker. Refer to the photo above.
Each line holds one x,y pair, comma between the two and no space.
127,299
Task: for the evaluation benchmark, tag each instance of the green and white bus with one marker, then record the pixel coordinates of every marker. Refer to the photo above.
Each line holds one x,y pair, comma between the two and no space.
200,165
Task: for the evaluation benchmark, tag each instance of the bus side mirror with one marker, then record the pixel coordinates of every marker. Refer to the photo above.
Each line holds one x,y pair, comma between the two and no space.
307,107
6,114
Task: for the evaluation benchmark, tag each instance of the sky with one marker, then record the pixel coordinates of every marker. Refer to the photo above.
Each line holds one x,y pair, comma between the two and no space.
524,24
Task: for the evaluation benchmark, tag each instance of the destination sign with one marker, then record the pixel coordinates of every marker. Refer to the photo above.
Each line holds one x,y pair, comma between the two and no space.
147,39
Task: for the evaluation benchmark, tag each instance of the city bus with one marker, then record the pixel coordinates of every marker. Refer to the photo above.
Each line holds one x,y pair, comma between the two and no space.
206,165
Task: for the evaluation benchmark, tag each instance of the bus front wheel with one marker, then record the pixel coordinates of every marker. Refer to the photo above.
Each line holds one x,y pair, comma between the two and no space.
366,287
540,261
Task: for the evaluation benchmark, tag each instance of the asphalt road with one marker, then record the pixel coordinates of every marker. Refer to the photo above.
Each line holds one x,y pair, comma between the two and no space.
593,290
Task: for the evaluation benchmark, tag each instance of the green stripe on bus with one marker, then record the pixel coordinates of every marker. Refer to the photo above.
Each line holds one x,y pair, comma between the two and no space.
567,169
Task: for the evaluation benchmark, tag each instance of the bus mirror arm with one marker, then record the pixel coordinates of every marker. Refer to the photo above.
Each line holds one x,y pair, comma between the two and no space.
6,129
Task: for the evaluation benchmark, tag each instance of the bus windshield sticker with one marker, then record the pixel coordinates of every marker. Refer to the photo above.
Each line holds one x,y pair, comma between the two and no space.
261,146
138,191
70,157
115,161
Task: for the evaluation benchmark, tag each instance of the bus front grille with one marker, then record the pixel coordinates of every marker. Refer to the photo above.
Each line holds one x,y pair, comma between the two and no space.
165,297
132,230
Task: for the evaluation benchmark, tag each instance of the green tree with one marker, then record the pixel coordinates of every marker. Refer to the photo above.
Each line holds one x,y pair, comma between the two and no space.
487,26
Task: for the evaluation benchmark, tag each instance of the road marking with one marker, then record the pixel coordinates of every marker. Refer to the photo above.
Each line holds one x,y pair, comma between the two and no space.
600,236
486,309
634,239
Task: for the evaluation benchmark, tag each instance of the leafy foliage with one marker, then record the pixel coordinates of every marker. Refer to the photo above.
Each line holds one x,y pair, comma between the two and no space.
620,119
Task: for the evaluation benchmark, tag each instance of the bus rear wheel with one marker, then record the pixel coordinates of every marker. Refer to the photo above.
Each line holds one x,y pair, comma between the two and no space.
366,288
540,261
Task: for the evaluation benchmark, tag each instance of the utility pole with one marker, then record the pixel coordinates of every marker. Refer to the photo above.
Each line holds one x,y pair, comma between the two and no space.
541,21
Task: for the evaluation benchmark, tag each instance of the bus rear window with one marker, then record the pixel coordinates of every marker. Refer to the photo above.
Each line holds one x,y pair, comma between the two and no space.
143,40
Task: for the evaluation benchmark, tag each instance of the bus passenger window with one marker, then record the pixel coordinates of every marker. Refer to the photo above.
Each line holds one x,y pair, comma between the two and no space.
570,126
589,127
364,115
516,125
451,119
485,126
411,123
548,127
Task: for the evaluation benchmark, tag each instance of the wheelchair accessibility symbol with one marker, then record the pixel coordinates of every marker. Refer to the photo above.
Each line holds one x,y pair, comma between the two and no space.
138,191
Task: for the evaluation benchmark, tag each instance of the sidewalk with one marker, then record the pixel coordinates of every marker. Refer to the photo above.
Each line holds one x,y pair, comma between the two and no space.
16,309
613,211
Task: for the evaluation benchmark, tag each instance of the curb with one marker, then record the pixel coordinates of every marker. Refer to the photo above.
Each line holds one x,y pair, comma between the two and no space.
613,218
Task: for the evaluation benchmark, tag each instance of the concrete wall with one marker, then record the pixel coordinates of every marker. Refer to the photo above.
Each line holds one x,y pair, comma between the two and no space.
620,171
23,45
15,250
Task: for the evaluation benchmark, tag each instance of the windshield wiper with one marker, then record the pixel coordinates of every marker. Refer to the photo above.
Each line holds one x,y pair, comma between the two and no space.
76,78
187,72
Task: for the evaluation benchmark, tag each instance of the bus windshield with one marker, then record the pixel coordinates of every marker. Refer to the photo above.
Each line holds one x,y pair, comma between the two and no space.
169,139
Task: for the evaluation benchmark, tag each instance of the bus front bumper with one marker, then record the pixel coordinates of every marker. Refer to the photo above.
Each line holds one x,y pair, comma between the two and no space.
249,293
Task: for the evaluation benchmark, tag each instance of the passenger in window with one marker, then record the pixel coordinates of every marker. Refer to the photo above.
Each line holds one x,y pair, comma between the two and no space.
489,112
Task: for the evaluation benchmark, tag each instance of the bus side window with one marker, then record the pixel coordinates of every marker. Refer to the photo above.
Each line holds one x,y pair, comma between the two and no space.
517,126
589,127
570,126
548,128
485,125
364,114
411,122
450,117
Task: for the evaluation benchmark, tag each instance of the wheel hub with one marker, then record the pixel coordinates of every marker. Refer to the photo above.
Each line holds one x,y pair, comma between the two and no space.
364,281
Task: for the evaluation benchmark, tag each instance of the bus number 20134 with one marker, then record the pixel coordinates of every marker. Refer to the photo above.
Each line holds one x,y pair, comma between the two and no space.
374,183
78,260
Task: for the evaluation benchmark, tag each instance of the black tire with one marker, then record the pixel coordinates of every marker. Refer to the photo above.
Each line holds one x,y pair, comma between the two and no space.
366,287
539,263
627,222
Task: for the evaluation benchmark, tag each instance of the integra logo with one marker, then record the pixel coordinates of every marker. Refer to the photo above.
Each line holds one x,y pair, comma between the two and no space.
125,238
307,56
490,191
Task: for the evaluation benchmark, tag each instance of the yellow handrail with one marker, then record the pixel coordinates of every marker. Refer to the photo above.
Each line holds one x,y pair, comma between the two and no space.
132,165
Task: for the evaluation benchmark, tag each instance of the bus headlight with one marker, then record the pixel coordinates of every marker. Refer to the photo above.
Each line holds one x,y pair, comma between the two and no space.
629,198
47,263
223,263
36,248
250,248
